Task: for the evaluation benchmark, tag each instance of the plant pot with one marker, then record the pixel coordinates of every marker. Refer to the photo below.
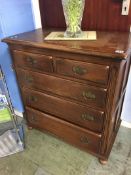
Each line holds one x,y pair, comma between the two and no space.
73,12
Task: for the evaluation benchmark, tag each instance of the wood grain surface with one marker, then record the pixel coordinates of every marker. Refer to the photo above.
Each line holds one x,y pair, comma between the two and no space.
98,15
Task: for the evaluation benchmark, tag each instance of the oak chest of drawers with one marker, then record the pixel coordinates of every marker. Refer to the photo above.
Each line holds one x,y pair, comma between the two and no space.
73,89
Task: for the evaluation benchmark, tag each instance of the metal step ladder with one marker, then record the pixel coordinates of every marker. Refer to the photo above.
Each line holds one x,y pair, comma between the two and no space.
12,140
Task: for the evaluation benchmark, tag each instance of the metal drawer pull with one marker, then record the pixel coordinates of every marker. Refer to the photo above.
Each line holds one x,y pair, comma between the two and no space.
79,70
84,140
33,99
89,95
31,60
29,79
87,117
33,119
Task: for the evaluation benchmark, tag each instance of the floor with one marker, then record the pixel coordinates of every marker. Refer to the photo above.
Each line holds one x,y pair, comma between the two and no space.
47,155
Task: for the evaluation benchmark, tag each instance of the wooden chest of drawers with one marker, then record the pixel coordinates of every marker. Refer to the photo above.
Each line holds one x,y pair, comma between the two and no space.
73,89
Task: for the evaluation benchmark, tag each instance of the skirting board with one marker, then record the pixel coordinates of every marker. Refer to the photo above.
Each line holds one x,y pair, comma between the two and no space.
20,114
126,124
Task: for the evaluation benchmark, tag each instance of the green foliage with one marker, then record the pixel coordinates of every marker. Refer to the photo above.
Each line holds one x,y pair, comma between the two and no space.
73,10
5,115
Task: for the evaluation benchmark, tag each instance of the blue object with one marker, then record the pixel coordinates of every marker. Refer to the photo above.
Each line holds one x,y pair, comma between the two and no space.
15,17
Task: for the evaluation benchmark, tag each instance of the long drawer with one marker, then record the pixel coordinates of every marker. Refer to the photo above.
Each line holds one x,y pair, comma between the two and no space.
86,94
69,111
33,61
75,135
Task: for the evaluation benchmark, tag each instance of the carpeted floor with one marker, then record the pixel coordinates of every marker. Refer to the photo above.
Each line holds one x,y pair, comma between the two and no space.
46,155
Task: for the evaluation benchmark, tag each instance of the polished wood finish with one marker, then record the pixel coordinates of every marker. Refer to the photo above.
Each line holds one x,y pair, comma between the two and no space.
60,95
71,133
108,46
98,15
86,94
33,61
81,70
67,110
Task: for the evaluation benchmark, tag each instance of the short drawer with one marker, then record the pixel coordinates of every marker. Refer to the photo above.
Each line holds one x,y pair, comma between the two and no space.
69,111
90,95
33,61
74,135
81,70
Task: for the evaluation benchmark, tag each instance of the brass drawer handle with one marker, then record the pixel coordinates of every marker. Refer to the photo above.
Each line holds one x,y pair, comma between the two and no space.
87,117
84,140
89,95
33,119
33,99
29,79
31,61
79,70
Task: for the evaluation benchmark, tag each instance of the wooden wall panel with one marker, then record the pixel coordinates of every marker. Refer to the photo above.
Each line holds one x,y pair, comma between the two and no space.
89,17
98,15
110,18
52,13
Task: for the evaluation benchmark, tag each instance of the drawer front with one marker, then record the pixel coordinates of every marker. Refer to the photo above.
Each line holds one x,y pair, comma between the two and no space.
72,134
66,110
81,70
33,61
66,88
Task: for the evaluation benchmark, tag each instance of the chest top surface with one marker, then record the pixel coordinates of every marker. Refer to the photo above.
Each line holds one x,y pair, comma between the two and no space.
108,44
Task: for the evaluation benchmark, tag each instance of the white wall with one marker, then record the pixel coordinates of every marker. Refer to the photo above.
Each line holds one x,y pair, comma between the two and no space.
126,111
36,13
